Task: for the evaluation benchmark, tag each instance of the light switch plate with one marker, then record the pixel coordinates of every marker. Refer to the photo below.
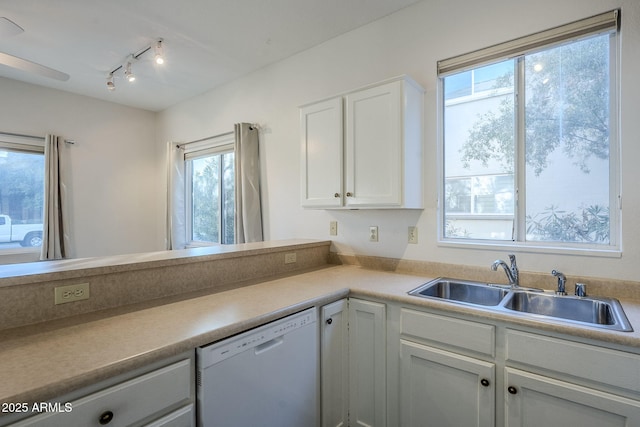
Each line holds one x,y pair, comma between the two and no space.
333,228
413,234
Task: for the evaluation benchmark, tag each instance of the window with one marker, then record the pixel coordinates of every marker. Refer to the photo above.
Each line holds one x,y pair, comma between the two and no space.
529,142
21,191
210,191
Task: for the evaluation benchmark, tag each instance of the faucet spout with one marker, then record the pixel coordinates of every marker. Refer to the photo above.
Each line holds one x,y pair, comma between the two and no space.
513,275
562,281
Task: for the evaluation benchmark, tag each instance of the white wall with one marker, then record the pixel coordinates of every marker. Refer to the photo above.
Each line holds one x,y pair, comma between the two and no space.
408,42
113,166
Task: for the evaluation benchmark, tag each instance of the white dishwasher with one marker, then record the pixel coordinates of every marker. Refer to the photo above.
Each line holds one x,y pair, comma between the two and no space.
267,377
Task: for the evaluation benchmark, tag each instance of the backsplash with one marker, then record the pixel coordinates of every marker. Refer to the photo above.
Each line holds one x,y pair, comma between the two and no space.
621,289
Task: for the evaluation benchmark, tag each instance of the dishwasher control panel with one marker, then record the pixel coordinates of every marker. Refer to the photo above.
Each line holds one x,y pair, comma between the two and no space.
254,338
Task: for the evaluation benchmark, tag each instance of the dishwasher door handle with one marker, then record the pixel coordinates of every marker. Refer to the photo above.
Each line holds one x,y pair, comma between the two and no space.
269,345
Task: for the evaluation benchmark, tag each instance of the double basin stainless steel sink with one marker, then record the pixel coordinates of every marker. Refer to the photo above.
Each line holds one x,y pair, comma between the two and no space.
533,303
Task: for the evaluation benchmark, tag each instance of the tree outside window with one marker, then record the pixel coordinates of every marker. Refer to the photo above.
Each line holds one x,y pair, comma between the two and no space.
562,133
213,198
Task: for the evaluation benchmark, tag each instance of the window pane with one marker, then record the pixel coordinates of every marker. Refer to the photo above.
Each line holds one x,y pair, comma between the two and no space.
205,199
493,194
457,85
567,142
458,195
479,158
213,198
228,205
21,198
492,77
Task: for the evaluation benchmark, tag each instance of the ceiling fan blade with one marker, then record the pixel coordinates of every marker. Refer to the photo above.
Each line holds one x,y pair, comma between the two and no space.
9,28
32,67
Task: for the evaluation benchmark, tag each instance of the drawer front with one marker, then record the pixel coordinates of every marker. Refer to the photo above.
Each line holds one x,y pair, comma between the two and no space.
591,363
126,403
448,331
184,417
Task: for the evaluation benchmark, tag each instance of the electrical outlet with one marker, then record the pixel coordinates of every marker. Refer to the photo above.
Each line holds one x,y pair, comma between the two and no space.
70,293
413,234
373,233
290,258
333,228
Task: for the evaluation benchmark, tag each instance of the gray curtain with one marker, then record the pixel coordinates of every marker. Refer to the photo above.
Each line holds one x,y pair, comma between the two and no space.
248,218
54,241
176,227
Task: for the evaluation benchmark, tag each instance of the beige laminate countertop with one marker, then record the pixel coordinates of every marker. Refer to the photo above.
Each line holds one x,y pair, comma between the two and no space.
41,362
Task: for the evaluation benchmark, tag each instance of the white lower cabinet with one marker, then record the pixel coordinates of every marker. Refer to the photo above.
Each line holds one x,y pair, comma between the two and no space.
457,371
161,397
440,388
367,364
533,400
334,364
444,380
353,364
554,381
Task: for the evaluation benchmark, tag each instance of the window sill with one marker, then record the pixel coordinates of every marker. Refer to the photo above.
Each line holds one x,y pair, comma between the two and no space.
199,244
19,255
541,248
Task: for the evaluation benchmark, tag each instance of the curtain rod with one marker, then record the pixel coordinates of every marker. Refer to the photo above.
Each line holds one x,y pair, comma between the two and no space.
22,135
204,139
252,127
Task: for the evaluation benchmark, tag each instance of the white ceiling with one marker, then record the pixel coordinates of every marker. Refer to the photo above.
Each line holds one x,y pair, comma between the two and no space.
207,42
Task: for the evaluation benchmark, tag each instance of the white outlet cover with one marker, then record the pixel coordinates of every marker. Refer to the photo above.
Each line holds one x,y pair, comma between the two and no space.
373,233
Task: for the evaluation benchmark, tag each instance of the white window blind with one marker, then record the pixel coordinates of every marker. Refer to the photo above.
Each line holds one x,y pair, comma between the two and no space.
23,143
596,24
209,146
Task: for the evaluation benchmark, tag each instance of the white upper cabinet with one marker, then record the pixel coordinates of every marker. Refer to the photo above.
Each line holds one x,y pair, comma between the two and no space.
321,136
363,149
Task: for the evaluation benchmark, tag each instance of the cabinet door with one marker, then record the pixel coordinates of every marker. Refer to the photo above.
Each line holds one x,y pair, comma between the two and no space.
367,364
334,364
143,397
321,137
440,389
533,400
373,162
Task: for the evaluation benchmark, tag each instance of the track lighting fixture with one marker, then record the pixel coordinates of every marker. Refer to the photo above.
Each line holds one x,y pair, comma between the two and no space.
159,54
128,74
110,83
158,58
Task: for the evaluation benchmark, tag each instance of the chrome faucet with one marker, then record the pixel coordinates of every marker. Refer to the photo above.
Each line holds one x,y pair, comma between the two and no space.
562,282
513,275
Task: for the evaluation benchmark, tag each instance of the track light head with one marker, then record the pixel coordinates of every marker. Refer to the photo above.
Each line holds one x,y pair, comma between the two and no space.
159,53
128,74
110,83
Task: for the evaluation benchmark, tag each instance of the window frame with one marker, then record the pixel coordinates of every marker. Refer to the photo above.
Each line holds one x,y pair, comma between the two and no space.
29,145
517,49
219,145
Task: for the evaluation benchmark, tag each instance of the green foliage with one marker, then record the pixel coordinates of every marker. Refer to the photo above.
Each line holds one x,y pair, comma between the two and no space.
452,231
213,200
566,99
22,186
590,226
567,106
492,135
